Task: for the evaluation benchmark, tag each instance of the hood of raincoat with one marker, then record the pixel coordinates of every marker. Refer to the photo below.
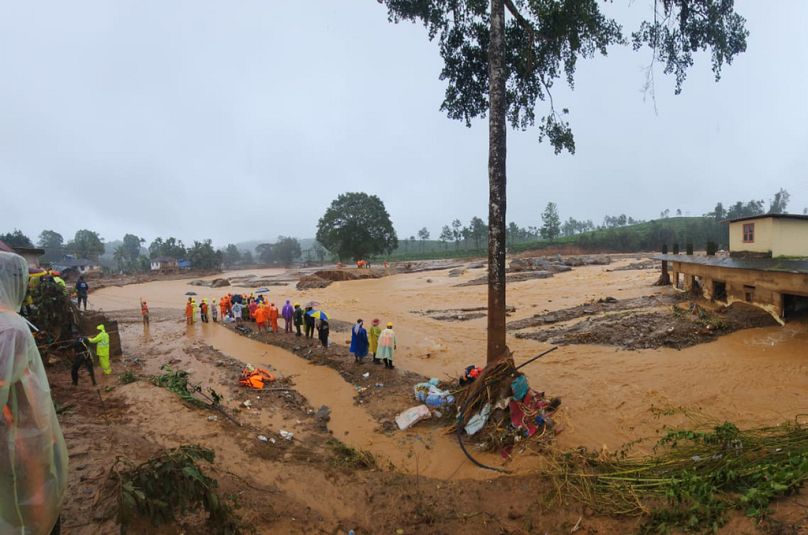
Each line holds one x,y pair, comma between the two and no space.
13,281
101,328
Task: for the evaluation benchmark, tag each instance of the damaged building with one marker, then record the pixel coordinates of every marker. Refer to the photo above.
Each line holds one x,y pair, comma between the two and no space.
767,266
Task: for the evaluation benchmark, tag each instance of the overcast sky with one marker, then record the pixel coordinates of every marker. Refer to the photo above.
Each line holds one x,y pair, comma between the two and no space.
244,120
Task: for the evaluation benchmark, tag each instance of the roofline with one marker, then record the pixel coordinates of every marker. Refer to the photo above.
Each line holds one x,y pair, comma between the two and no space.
773,216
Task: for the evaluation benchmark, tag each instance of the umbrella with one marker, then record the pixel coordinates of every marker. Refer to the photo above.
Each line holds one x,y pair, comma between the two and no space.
318,314
262,290
190,293
313,304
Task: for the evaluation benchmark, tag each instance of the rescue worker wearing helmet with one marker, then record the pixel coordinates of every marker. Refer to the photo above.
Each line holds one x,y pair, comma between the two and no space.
33,456
102,349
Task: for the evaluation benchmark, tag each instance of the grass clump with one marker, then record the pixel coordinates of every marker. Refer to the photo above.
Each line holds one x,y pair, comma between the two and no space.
348,457
127,377
695,477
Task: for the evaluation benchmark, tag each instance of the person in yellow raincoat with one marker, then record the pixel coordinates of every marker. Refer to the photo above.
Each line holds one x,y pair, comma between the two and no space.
102,349
33,456
373,338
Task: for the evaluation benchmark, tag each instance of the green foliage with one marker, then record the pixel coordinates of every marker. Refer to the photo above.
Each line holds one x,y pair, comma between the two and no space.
16,239
177,381
54,245
749,209
50,310
355,226
779,203
711,248
695,477
172,484
284,252
231,256
128,377
170,247
545,39
86,244
648,236
203,256
551,224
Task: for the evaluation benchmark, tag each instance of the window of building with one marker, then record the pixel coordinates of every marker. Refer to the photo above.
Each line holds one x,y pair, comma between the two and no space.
748,232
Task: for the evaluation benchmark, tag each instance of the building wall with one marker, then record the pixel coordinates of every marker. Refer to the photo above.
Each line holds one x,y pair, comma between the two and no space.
763,236
790,237
766,288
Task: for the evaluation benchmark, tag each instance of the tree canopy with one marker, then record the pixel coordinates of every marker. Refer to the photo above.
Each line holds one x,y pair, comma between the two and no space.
16,239
502,67
551,223
86,244
203,256
283,252
355,226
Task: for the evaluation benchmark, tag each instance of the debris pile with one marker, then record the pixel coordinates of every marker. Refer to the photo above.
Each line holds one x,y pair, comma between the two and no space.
500,410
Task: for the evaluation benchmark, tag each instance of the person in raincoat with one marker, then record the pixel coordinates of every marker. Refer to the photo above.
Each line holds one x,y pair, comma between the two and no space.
144,311
373,339
387,346
214,310
309,322
33,455
322,332
298,319
203,311
189,312
273,317
287,312
102,348
359,341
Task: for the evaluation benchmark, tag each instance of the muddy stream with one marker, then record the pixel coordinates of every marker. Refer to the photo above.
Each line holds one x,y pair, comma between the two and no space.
749,377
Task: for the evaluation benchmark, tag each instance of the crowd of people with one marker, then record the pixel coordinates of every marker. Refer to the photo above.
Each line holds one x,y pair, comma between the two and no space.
302,320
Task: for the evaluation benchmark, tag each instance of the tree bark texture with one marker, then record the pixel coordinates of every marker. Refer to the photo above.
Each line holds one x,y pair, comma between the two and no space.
496,185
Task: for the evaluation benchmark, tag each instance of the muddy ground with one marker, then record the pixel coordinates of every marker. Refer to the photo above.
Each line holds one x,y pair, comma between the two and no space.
642,323
309,484
748,377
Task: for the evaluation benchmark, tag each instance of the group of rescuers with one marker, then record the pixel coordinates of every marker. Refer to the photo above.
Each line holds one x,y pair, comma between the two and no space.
238,308
33,455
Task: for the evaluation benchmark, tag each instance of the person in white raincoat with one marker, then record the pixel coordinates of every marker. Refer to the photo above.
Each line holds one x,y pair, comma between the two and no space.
387,346
33,456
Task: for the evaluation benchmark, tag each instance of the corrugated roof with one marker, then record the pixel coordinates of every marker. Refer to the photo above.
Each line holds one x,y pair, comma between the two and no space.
789,265
773,216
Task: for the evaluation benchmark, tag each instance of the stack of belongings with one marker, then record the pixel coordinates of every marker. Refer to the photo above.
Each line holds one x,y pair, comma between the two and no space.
505,410
433,400
255,378
431,394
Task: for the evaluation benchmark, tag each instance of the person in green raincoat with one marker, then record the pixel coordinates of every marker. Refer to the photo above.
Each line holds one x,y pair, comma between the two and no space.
102,349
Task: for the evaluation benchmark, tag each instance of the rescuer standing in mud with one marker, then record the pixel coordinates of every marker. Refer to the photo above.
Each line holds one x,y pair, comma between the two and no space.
33,456
102,349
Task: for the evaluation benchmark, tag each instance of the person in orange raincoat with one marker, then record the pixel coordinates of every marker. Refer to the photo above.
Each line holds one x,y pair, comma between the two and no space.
260,316
189,312
224,305
273,317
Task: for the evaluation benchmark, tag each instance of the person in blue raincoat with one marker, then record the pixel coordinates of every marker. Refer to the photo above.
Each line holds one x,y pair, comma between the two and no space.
359,341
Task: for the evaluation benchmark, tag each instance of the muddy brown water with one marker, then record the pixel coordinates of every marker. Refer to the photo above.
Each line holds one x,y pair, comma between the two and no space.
749,377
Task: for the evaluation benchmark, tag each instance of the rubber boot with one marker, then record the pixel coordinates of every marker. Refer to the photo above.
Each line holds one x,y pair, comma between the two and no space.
376,361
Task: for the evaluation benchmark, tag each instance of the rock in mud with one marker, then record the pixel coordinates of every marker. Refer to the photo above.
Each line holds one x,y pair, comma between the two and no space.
456,272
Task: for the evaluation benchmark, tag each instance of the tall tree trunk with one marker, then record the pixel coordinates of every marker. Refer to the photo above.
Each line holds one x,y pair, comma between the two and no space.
496,184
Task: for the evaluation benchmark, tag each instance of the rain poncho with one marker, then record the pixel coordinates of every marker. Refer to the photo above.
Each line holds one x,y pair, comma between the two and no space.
359,341
33,457
387,345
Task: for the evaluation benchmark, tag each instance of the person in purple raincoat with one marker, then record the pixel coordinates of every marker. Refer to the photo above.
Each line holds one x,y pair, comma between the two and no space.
288,312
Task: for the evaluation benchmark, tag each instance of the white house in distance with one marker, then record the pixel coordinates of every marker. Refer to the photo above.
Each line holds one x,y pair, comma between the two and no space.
81,266
164,264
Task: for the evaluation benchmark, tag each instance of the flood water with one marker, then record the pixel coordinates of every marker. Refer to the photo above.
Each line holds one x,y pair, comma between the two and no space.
750,377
